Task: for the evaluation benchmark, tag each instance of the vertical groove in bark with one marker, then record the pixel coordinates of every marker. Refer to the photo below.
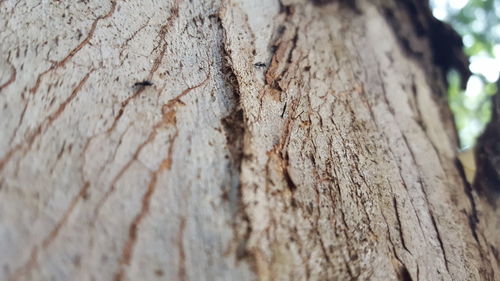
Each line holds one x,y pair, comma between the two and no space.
93,180
342,108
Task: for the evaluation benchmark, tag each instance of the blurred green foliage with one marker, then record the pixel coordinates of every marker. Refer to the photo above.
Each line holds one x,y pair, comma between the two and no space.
477,21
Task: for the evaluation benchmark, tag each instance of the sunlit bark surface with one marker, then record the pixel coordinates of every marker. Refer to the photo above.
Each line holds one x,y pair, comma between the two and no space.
229,140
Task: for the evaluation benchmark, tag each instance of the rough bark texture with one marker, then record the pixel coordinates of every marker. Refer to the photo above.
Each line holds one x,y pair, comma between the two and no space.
292,140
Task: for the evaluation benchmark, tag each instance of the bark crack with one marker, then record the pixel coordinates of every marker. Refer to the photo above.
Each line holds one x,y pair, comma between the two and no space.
401,236
74,51
168,118
53,234
129,246
182,255
125,43
399,266
134,227
440,240
32,262
174,14
46,123
426,197
473,216
11,79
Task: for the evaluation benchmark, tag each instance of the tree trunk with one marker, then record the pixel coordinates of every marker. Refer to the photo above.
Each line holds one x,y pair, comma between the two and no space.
233,140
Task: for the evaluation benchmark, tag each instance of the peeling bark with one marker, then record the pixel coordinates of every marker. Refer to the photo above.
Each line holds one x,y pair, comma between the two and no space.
292,140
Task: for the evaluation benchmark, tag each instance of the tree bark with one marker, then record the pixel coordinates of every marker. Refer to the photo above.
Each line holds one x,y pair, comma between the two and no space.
233,140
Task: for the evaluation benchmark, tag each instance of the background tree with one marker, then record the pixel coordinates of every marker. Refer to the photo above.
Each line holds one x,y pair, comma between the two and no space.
478,23
234,140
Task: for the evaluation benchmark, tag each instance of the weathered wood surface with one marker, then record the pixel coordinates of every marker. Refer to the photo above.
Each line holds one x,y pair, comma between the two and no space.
279,141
